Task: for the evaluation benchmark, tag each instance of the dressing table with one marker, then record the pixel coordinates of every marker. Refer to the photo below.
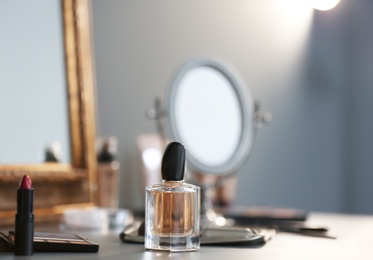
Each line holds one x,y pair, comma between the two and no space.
353,241
74,184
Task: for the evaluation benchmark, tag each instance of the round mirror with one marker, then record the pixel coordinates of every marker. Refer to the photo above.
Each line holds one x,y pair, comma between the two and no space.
211,111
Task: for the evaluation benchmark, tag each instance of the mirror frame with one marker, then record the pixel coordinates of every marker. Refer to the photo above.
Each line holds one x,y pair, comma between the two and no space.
246,104
58,186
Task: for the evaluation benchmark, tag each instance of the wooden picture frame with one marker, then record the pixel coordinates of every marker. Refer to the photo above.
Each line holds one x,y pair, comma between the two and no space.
59,186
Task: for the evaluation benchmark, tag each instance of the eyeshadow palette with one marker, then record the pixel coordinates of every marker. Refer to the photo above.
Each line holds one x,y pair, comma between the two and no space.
53,242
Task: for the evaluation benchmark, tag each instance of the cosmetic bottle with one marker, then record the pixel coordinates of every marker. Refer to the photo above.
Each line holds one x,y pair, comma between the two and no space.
107,172
172,213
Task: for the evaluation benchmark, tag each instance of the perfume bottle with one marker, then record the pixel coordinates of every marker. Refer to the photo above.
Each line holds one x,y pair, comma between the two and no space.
172,213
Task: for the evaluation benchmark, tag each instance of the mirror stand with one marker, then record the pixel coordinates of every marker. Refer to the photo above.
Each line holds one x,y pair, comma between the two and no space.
208,183
210,197
210,110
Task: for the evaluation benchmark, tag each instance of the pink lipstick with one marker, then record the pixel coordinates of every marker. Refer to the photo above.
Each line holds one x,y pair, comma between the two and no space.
24,220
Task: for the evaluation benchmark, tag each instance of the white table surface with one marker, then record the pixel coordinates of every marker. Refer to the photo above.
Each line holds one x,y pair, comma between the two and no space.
354,241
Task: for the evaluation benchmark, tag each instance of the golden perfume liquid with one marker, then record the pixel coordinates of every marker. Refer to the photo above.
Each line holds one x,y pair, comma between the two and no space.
176,216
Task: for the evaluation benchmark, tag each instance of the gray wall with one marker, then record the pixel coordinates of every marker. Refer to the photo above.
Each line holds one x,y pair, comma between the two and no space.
312,70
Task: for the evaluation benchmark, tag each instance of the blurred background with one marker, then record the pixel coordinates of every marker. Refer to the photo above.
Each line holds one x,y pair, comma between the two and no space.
313,70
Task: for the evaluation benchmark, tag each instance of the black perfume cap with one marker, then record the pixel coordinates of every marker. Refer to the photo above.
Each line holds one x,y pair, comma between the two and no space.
173,162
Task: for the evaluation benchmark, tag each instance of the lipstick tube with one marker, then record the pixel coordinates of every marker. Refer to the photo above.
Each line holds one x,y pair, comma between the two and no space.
24,219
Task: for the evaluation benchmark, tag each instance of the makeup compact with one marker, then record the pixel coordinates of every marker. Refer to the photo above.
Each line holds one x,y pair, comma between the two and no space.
52,242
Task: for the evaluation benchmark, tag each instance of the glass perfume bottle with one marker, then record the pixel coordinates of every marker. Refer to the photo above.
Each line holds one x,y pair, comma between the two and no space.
172,213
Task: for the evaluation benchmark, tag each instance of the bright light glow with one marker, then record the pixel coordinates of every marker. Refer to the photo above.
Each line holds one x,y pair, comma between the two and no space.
324,5
293,12
289,23
151,158
220,221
